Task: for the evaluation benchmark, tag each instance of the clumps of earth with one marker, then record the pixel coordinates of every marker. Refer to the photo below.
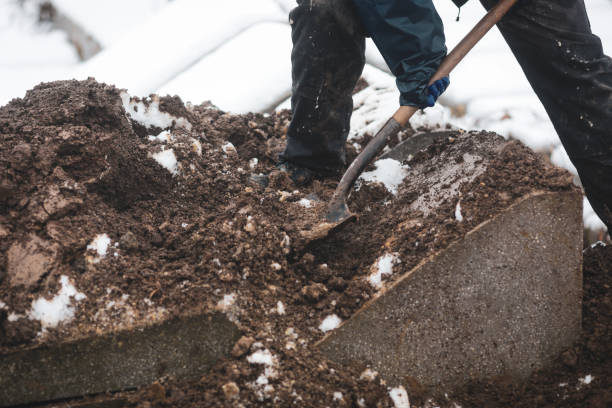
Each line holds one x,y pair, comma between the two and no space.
118,211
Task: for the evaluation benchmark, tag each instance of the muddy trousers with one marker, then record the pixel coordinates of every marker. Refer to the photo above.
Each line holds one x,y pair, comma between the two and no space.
551,39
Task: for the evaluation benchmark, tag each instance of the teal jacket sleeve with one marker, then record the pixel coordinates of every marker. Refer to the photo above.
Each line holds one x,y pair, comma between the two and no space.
410,36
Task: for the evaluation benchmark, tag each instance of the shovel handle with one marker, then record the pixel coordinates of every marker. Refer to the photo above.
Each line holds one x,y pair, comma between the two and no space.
404,113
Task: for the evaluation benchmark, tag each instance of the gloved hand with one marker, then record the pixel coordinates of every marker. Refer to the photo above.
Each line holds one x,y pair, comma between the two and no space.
435,90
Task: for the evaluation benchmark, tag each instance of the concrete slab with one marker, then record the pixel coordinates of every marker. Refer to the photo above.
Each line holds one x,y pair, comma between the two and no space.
182,348
504,300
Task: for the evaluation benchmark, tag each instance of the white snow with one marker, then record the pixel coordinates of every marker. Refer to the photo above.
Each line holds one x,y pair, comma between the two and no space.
100,244
109,20
31,52
148,114
52,312
586,380
166,159
249,73
227,302
163,137
306,203
458,215
264,357
174,39
13,317
591,220
399,396
331,322
389,172
382,267
280,308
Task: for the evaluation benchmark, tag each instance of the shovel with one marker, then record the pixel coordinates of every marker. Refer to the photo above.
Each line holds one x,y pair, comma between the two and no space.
337,210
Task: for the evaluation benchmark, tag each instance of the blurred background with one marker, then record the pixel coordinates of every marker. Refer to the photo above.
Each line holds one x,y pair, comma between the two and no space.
236,54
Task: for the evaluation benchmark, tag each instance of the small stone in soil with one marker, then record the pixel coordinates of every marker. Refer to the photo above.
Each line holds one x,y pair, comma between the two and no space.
242,346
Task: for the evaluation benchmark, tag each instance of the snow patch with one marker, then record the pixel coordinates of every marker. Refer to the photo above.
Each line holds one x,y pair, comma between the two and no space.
149,115
264,357
227,302
280,308
458,215
166,159
383,266
162,137
591,219
306,203
330,323
13,317
59,309
587,379
100,244
389,172
399,397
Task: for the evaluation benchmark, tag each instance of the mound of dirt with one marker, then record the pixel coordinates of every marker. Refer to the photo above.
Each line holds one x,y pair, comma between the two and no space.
141,210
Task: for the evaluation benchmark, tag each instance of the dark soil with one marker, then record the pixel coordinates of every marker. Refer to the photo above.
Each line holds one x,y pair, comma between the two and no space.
73,165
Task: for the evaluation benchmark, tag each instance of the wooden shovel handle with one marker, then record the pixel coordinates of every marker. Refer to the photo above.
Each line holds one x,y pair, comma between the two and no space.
404,113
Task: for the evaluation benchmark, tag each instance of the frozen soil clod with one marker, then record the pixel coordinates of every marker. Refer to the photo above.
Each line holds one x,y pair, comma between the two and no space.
151,223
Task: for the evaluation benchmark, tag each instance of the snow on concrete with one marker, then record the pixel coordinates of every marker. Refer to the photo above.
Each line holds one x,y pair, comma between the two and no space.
389,172
250,73
147,113
167,159
100,244
173,39
109,20
331,322
382,267
52,312
399,396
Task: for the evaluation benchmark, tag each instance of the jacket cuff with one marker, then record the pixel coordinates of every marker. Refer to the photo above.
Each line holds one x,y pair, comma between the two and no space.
413,92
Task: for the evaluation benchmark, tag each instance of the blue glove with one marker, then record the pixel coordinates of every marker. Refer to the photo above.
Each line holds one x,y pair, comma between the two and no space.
435,90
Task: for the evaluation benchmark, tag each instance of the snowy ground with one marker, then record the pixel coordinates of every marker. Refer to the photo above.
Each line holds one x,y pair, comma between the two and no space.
236,54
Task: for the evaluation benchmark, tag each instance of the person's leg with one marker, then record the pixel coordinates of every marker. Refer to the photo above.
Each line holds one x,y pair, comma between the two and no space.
565,64
327,61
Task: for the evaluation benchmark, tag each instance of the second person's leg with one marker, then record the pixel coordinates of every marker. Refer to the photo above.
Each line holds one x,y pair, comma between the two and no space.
566,67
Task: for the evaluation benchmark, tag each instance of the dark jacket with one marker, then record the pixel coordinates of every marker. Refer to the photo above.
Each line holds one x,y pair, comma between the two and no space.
410,37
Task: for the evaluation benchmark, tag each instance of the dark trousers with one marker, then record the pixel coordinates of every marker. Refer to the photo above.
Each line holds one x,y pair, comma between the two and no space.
551,39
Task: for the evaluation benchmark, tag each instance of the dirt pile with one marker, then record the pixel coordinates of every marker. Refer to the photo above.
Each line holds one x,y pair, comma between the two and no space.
140,210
